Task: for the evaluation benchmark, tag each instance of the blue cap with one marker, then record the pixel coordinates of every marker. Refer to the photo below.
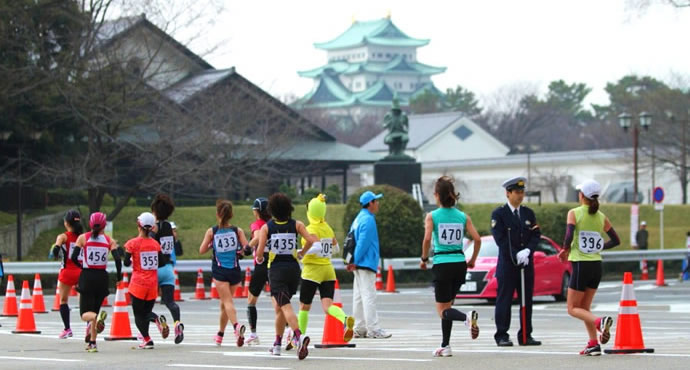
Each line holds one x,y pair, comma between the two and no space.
368,196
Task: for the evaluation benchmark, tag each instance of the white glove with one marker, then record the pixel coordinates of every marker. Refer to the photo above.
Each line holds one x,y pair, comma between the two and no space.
316,248
523,257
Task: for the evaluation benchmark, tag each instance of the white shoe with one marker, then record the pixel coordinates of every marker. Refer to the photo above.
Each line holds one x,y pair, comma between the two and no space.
275,350
379,334
360,333
252,339
443,352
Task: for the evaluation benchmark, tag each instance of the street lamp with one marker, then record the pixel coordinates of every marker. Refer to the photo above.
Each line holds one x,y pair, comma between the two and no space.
529,149
626,121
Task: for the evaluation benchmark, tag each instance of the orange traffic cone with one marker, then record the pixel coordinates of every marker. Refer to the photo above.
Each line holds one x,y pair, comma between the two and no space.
645,271
239,292
105,302
660,273
390,281
73,292
25,322
247,282
214,290
56,302
119,325
37,303
177,295
333,330
125,281
628,329
10,306
267,287
379,280
200,292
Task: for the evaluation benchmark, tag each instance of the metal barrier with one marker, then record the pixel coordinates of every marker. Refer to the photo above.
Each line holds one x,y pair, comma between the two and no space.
412,263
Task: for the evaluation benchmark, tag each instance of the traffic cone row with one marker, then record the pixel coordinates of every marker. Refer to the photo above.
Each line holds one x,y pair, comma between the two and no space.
105,302
200,292
10,306
333,330
267,287
379,280
243,292
26,323
628,327
120,328
390,281
56,302
37,303
125,281
214,290
660,273
73,291
177,295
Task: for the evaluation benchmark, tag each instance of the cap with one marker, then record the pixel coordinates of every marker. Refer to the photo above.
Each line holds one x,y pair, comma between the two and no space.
368,196
589,189
260,204
515,183
173,225
146,219
643,223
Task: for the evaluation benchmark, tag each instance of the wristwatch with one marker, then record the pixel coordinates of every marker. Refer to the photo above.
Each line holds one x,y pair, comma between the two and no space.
425,259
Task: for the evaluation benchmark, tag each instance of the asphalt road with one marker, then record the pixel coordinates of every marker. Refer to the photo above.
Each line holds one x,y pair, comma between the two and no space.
408,315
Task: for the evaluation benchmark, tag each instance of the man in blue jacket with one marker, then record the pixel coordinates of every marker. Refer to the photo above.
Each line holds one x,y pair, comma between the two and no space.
366,261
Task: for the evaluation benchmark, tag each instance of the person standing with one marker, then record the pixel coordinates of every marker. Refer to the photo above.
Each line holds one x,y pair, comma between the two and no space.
641,237
516,232
366,261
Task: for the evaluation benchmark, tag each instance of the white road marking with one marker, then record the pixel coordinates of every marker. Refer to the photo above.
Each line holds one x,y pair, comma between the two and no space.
38,359
267,355
229,367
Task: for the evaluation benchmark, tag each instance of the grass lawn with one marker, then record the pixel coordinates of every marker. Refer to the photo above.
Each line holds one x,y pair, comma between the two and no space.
8,218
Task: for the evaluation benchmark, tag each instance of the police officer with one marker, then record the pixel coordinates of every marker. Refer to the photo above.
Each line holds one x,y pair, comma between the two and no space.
515,230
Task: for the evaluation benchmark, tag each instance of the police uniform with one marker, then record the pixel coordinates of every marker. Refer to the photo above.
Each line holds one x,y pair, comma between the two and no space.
514,230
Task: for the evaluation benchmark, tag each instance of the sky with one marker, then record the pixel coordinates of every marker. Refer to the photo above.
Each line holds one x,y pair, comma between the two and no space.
487,46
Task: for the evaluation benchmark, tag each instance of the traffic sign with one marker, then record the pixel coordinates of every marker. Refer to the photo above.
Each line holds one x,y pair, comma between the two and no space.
658,194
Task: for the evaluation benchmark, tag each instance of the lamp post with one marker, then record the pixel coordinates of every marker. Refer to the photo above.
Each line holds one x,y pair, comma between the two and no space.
528,149
626,121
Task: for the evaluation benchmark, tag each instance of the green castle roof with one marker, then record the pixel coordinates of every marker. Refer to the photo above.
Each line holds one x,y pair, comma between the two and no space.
398,66
379,32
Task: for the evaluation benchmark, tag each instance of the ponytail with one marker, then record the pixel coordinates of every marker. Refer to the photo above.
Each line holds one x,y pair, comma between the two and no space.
95,230
593,205
445,188
224,211
73,219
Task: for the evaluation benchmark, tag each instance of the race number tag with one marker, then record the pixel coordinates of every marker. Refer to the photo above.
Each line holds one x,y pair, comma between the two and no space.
326,248
450,234
148,260
71,250
97,256
590,242
284,243
167,244
226,242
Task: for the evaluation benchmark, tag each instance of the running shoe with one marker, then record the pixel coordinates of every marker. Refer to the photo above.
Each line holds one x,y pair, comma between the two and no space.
474,329
239,334
303,347
275,350
360,333
145,345
594,350
288,337
67,333
91,347
443,352
100,324
379,334
218,339
604,327
162,325
348,325
179,332
87,336
252,339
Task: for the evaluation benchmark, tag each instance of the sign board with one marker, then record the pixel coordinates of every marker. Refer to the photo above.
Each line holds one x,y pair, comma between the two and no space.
658,206
634,220
109,228
658,194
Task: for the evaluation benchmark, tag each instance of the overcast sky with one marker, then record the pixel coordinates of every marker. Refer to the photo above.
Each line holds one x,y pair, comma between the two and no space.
484,44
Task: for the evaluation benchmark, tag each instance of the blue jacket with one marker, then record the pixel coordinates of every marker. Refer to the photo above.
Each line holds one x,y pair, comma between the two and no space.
367,240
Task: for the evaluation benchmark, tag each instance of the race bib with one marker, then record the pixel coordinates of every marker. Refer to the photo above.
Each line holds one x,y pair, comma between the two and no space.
285,243
148,260
326,248
226,242
167,244
590,242
450,234
97,256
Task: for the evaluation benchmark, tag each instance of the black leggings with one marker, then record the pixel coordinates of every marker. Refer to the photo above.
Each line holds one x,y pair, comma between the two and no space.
142,314
167,296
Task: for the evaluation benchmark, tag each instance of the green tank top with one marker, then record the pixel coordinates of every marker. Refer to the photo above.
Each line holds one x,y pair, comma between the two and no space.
588,240
447,237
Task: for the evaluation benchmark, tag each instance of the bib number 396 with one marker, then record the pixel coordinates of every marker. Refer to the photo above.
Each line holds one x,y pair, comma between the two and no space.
450,233
590,242
97,256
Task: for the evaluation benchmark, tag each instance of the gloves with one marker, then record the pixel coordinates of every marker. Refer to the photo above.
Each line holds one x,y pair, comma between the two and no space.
316,248
247,250
523,257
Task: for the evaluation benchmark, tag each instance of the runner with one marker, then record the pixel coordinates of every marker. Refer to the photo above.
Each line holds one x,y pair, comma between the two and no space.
93,280
260,275
582,246
144,254
318,270
69,271
162,207
445,228
226,241
280,234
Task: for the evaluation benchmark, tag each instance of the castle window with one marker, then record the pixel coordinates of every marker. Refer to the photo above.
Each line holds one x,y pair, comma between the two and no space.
462,132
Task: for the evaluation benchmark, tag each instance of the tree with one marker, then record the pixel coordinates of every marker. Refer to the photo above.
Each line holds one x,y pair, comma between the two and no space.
426,102
461,100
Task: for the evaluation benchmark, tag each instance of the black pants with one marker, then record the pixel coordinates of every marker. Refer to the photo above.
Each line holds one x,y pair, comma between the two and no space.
508,283
142,314
167,297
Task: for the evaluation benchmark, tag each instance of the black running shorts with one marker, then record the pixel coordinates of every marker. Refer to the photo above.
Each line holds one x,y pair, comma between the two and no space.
93,288
586,274
259,277
308,290
232,276
284,279
448,277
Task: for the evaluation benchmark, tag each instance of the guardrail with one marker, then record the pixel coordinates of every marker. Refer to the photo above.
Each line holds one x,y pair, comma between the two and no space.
412,263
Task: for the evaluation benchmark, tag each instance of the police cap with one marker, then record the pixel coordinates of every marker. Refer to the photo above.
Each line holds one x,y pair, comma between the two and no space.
515,183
